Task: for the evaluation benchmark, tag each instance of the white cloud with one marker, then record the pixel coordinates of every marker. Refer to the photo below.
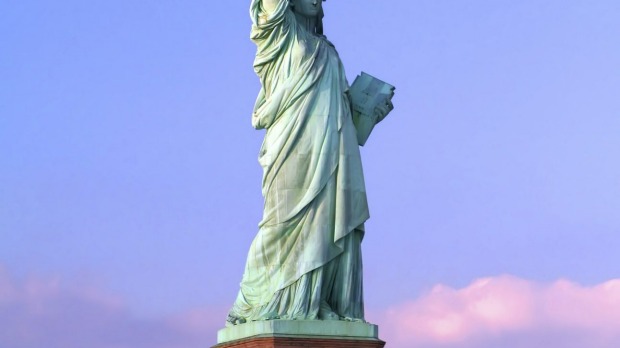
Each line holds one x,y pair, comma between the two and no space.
508,312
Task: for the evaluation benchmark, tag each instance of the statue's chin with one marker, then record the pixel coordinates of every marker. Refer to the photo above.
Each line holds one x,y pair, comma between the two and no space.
310,13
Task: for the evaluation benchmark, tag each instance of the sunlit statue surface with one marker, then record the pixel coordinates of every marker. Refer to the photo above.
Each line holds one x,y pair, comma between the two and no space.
305,263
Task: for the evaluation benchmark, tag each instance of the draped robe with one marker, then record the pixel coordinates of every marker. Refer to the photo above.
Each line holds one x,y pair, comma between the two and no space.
307,250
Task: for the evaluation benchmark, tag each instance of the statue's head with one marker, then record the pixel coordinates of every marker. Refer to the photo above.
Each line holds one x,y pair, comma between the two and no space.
310,8
307,8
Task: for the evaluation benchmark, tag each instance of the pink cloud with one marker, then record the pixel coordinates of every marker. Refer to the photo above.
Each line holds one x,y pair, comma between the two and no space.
508,312
39,312
498,312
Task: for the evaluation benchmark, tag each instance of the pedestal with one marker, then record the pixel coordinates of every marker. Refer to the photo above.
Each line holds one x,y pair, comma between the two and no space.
300,333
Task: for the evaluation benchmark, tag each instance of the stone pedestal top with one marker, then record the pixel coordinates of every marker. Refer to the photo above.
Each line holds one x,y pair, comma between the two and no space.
325,329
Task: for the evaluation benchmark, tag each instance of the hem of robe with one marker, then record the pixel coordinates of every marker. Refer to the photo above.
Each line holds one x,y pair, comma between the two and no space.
302,299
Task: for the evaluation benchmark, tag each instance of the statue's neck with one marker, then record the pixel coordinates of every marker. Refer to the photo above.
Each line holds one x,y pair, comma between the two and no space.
309,23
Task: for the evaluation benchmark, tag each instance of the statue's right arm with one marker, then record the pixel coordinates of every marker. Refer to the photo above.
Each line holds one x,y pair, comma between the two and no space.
270,5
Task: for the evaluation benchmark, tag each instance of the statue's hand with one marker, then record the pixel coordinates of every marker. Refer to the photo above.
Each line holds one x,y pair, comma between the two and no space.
383,110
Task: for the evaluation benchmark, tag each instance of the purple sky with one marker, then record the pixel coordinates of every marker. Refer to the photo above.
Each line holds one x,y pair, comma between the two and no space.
130,188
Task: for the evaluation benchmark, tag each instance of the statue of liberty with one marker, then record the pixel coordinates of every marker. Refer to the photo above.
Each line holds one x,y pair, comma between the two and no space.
305,263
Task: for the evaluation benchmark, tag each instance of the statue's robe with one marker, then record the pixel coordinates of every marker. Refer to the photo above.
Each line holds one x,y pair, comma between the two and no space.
307,250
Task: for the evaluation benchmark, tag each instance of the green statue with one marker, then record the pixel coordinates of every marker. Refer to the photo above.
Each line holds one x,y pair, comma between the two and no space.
305,262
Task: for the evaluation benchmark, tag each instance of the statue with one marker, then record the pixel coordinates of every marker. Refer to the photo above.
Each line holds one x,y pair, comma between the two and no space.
305,263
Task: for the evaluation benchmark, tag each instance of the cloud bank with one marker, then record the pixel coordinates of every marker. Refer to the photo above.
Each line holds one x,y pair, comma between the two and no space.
508,312
498,312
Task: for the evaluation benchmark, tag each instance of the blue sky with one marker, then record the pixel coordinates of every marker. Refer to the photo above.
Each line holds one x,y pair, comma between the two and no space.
128,162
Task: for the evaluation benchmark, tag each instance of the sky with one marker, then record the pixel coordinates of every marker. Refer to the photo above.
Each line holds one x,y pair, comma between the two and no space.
130,187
